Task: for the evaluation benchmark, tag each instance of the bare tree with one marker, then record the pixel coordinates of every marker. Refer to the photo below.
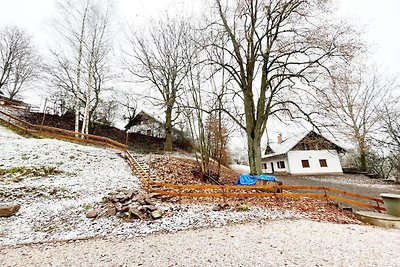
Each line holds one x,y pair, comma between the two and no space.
274,51
159,57
19,62
390,133
129,103
352,101
81,62
98,48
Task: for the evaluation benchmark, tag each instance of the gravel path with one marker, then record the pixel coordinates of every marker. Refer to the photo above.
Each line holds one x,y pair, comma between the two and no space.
279,243
349,182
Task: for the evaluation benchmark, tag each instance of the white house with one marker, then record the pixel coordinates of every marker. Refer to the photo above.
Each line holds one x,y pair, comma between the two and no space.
146,124
310,153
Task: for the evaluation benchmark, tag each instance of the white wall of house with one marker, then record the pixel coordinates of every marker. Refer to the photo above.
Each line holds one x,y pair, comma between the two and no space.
277,166
314,156
151,129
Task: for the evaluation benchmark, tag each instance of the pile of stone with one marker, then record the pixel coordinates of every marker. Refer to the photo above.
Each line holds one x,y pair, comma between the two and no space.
128,205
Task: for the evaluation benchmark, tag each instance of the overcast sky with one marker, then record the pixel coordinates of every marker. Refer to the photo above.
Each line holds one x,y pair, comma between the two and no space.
381,19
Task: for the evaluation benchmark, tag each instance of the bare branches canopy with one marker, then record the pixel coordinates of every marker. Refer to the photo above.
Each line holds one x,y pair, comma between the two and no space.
19,62
273,50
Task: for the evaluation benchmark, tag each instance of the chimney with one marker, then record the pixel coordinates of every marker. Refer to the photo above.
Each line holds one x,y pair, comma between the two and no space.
280,140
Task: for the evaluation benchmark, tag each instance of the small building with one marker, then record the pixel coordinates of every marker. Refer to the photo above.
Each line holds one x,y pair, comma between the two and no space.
146,124
310,153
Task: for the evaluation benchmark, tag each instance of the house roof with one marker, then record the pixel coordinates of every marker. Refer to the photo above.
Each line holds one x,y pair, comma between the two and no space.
142,116
274,149
147,118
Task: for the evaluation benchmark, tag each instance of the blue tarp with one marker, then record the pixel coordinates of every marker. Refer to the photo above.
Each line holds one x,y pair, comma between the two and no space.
246,179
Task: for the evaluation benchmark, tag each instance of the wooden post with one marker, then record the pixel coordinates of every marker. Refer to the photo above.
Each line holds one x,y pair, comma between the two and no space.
44,114
126,138
180,194
326,196
377,203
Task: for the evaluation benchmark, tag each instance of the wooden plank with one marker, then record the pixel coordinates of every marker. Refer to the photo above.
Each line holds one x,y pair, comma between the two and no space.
233,195
59,136
311,195
354,194
18,119
226,187
96,137
354,202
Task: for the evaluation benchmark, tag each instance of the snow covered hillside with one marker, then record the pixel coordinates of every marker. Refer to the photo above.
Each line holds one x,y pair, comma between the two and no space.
85,175
54,205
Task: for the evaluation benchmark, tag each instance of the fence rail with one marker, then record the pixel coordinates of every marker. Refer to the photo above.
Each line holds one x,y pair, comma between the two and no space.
213,191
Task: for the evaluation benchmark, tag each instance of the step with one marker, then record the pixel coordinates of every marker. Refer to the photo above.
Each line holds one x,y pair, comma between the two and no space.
379,219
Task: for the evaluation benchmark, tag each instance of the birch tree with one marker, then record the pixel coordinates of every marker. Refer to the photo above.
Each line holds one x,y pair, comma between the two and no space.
81,64
274,52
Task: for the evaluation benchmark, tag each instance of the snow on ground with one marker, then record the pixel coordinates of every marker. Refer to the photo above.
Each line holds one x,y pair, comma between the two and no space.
53,207
277,243
8,134
56,203
240,168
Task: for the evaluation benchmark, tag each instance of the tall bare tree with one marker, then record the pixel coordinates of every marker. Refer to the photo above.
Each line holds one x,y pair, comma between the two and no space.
159,57
390,133
352,101
273,50
19,62
81,62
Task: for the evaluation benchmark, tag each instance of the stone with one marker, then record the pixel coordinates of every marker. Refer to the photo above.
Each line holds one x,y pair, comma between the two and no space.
135,213
148,201
124,208
8,210
131,193
157,214
217,208
93,213
150,207
154,195
111,211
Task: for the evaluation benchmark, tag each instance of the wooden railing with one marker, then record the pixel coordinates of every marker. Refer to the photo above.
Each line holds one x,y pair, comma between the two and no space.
43,130
13,104
236,191
209,191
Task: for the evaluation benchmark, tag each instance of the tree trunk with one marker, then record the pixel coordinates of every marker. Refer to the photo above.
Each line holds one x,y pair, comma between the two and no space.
86,118
79,70
168,129
254,152
363,155
253,131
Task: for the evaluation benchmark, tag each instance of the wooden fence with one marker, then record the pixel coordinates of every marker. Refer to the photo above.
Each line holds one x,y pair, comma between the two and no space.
42,130
207,191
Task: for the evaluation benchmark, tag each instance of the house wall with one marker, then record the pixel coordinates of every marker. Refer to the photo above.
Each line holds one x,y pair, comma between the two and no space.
275,161
313,156
143,128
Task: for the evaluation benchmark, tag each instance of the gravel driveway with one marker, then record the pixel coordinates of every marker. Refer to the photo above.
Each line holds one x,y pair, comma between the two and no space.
349,182
278,243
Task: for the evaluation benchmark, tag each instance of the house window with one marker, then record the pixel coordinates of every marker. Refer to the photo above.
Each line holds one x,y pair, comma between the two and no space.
323,163
281,164
305,163
265,166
